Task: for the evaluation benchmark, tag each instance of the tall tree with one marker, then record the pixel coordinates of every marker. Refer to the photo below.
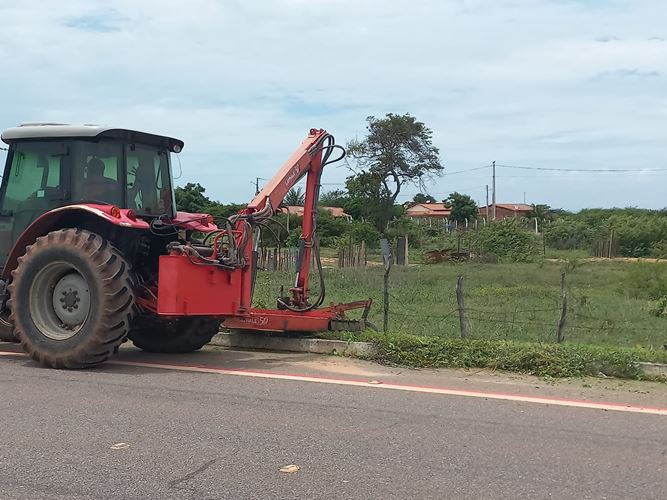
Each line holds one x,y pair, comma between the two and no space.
335,198
397,150
463,207
191,198
423,198
295,197
541,213
369,199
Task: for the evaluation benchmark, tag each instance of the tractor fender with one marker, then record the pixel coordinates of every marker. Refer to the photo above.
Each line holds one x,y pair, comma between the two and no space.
54,219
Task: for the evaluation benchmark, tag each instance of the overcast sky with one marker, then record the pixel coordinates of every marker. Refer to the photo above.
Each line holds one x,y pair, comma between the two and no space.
579,84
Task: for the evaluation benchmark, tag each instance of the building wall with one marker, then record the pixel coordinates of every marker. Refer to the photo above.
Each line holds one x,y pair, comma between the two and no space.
502,213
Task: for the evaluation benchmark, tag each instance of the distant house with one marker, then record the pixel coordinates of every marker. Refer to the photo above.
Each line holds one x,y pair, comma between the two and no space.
335,211
506,210
428,211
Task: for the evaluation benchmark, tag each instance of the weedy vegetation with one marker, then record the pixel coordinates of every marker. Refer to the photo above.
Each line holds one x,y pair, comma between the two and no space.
615,317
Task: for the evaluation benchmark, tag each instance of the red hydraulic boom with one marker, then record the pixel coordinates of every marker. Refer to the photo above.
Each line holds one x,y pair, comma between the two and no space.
218,280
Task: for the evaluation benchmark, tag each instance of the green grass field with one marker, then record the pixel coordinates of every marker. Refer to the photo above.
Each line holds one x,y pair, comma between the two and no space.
504,301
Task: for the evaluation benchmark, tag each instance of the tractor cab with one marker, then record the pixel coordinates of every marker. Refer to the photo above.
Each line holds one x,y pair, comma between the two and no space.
53,165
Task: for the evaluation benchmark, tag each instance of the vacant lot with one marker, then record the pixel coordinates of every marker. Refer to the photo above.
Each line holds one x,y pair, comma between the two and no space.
610,303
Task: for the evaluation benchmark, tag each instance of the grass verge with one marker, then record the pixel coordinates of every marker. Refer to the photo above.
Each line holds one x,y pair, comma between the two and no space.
611,304
541,359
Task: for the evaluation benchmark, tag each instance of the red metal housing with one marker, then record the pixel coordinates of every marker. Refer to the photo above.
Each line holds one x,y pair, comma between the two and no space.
188,289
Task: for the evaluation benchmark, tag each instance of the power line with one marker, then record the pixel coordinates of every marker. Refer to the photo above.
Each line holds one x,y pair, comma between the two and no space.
464,188
586,169
467,170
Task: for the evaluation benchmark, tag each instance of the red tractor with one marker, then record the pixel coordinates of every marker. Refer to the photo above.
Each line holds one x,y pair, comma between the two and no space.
93,250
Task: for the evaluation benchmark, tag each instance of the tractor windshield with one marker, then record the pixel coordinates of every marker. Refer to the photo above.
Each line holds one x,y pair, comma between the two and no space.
149,180
129,176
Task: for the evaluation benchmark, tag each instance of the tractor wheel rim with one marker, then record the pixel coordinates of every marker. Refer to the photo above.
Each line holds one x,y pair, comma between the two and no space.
59,301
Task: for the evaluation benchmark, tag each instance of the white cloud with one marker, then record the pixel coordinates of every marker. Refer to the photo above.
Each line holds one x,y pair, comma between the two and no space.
541,82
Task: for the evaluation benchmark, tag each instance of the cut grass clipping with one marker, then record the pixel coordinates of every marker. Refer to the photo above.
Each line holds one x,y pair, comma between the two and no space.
542,359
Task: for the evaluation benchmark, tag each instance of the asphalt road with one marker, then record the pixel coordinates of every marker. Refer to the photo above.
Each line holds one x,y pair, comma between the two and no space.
205,435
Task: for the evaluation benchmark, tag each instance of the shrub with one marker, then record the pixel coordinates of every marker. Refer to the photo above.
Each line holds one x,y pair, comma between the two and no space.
569,234
645,281
363,231
641,233
330,228
658,308
659,250
507,239
417,234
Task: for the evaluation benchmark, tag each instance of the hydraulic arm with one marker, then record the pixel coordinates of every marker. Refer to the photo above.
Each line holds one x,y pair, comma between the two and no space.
222,282
308,160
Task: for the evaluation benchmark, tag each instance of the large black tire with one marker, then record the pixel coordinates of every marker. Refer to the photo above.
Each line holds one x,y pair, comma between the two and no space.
181,335
72,299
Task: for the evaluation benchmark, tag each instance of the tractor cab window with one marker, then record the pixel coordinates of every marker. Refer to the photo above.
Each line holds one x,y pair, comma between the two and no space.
148,180
33,179
96,172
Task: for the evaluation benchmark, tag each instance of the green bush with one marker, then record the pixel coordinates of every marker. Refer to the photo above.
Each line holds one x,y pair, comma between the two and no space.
417,234
641,233
507,239
658,308
638,236
362,231
569,234
659,250
645,281
330,228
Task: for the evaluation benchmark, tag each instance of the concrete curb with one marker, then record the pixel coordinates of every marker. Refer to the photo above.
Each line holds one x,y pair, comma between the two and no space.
658,369
291,344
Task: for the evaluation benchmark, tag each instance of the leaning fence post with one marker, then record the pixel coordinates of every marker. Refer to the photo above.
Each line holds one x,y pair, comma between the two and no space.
386,254
563,311
459,300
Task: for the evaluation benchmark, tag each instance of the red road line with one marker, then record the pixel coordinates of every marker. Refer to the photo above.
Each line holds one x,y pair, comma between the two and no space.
554,401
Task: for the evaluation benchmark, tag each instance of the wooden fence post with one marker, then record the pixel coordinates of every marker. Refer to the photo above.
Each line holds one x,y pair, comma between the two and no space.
386,256
402,251
459,300
364,257
563,311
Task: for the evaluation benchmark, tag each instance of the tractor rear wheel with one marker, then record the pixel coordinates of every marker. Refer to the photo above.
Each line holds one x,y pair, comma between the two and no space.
72,299
180,335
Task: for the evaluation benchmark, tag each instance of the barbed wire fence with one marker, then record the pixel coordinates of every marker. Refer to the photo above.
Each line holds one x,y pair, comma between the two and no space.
549,324
563,317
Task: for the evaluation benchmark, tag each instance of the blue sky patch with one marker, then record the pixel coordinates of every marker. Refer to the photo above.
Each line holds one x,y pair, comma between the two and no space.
106,21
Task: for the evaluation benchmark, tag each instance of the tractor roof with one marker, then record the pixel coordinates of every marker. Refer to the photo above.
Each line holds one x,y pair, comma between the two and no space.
61,130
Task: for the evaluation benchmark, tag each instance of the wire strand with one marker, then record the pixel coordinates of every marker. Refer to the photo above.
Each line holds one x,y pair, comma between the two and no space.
554,169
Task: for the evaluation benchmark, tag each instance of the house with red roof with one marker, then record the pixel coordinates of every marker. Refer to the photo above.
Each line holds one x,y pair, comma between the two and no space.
425,211
506,210
298,210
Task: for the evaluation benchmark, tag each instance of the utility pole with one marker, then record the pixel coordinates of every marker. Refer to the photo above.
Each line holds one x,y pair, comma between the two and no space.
524,197
494,190
256,186
487,204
